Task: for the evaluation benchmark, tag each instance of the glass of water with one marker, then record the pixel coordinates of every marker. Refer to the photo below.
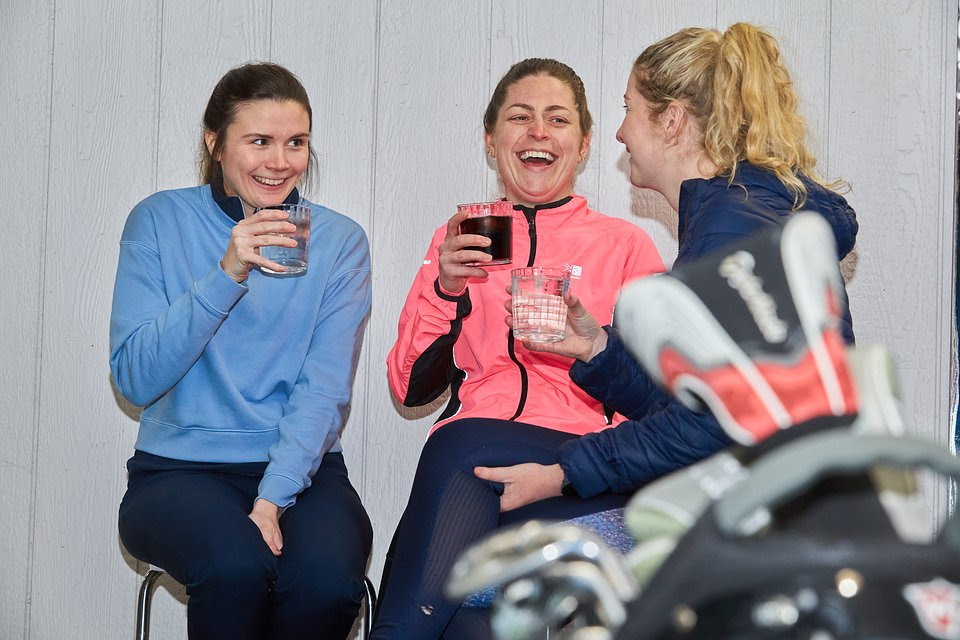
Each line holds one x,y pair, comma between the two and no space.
294,259
539,312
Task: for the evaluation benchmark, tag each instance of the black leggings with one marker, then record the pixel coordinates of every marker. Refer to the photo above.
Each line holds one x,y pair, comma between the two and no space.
190,518
449,509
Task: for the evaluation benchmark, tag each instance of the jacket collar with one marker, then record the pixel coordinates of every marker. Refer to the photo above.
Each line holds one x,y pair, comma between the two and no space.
233,206
763,183
540,207
553,213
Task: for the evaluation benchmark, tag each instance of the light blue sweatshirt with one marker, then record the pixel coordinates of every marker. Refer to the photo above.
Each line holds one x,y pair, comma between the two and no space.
237,372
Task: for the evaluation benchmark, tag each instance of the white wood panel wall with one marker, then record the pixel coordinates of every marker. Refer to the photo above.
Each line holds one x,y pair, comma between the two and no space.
102,103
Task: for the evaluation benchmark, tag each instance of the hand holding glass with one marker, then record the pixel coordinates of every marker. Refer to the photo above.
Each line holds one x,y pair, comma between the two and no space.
492,220
539,312
294,259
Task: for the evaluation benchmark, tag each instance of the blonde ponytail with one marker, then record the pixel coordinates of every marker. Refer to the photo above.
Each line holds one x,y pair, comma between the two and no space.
737,88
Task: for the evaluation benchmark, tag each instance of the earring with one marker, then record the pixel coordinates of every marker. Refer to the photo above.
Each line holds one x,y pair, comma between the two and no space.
490,153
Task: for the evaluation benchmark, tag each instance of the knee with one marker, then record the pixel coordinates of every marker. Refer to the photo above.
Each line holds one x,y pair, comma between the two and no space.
452,446
240,575
339,590
330,594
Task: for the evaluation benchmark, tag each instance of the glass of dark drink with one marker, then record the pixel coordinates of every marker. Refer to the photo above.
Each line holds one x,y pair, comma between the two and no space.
493,220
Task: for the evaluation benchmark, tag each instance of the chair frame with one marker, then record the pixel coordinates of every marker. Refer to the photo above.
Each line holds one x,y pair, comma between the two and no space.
145,600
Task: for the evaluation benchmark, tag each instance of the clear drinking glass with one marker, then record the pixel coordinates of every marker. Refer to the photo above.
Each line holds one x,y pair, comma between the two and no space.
293,258
539,312
493,220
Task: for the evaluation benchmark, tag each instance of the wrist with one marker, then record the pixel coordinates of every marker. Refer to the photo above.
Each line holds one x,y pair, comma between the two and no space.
446,293
262,505
231,275
597,345
566,487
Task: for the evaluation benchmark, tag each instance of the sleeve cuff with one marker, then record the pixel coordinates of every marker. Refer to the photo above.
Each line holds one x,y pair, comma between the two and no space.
445,295
279,490
575,465
218,291
597,371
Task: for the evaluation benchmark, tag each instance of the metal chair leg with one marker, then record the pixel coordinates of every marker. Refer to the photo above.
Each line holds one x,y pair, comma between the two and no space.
143,603
145,598
369,605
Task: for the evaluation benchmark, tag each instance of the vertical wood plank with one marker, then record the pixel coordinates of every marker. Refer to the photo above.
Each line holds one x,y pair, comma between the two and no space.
26,35
432,80
628,28
892,124
101,162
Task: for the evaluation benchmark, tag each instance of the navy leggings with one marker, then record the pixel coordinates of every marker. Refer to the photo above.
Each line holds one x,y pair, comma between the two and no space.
190,519
449,509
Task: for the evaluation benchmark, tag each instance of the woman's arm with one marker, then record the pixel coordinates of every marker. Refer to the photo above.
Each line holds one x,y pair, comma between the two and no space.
626,457
420,364
318,403
155,340
617,380
156,332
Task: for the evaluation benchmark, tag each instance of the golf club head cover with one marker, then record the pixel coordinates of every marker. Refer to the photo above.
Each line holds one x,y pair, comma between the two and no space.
751,332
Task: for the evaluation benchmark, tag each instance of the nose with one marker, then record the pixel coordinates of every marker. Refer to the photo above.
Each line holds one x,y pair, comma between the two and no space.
537,129
278,158
619,136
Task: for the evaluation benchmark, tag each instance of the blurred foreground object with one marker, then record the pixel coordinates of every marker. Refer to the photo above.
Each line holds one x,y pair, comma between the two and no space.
811,530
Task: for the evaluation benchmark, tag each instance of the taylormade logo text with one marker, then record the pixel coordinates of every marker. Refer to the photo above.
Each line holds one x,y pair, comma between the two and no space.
738,270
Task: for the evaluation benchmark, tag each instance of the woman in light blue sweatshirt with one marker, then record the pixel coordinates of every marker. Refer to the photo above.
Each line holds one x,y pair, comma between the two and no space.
238,487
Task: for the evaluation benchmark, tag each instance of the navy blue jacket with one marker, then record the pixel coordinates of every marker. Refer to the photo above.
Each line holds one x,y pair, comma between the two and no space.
660,434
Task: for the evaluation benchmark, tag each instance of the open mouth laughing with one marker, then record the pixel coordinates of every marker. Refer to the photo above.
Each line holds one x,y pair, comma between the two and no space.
537,158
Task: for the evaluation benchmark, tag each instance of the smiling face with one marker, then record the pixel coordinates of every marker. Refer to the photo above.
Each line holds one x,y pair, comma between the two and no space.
537,141
643,139
265,151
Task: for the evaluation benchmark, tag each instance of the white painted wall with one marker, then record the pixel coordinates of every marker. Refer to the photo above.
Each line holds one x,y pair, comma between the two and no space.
101,104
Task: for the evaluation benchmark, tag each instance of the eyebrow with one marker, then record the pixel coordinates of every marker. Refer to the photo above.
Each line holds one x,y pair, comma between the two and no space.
269,137
553,107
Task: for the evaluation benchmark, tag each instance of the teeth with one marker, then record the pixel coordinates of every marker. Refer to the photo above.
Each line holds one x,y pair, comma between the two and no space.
268,181
545,155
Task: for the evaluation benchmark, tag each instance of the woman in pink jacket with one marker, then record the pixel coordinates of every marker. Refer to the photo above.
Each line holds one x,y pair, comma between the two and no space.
508,405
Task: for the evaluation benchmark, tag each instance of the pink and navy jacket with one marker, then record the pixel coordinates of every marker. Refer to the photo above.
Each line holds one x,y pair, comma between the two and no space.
462,341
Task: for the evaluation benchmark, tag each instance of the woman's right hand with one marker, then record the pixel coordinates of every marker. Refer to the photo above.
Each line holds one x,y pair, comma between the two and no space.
584,337
266,516
248,235
456,259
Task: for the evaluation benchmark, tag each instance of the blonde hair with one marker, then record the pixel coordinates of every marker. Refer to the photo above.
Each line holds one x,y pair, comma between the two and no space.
737,88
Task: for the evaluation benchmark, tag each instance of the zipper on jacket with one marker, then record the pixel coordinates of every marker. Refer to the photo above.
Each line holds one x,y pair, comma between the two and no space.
530,213
531,216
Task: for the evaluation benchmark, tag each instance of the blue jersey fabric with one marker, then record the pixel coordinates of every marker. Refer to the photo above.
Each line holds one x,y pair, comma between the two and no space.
661,435
237,372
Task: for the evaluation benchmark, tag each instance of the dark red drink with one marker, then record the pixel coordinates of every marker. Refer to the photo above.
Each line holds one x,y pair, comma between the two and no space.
500,231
